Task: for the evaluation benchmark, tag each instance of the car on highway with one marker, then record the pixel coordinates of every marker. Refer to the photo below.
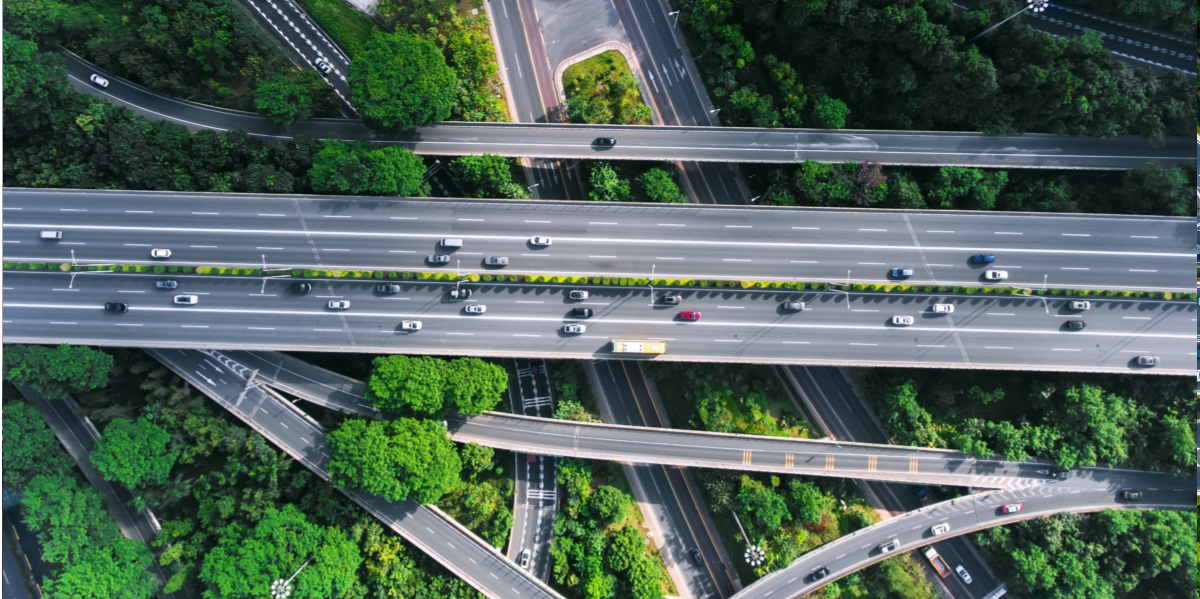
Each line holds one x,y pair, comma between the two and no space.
1011,508
451,242
323,65
962,573
793,306
689,315
539,241
902,321
605,141
438,258
920,494
116,307
523,561
583,312
98,80
387,288
819,573
166,284
299,288
943,308
1061,474
496,261
160,253
983,258
940,529
574,329
339,304
187,300
475,309
1076,325
672,300
995,275
1131,495
696,557
410,325
1147,360
890,546
460,293
55,235
903,272
578,294
1080,305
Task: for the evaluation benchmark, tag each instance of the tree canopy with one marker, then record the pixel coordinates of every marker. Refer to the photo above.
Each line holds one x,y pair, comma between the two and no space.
427,385
56,372
607,186
283,101
399,82
134,453
661,187
67,518
398,459
28,446
487,176
116,570
360,169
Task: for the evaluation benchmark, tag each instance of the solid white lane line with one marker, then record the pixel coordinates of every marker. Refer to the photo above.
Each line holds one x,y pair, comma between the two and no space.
329,330
739,226
1065,349
1007,233
460,334
65,290
72,243
333,250
135,211
595,303
919,345
537,221
335,216
1076,235
271,215
805,262
808,228
72,210
872,229
666,258
736,259
263,294
526,335
852,310
864,344
1074,268
871,263
53,322
528,302
7,241
939,231
403,217
477,220
1000,313
128,325
796,342
140,245
402,251
1144,236
733,307
605,257
124,291
1136,317
727,340
208,213
261,328
599,223
993,347
545,255
1141,270
258,248
670,225
194,326
204,246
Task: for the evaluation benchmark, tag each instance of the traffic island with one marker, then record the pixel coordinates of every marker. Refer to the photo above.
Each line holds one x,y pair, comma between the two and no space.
599,87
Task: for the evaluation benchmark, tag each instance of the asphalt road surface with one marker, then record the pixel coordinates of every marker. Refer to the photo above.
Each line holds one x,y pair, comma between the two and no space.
703,144
480,565
14,576
536,476
614,240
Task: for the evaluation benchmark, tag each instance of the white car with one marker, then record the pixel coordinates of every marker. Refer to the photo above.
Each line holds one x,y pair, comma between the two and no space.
574,329
475,309
324,65
160,253
890,546
579,294
523,561
410,325
962,573
540,241
339,304
187,299
1147,360
1080,305
98,80
902,321
996,275
943,308
940,529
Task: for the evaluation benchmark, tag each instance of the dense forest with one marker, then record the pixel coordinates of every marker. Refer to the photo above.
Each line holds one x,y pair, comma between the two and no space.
879,64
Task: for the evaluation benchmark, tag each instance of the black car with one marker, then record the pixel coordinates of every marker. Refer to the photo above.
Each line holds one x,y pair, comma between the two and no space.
607,142
1131,495
920,493
116,307
166,284
1076,325
820,573
582,312
299,288
696,557
387,288
671,299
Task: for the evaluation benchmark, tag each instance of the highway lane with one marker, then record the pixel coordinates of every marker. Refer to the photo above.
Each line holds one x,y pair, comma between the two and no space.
536,496
968,514
702,144
843,415
526,320
1058,251
14,586
465,555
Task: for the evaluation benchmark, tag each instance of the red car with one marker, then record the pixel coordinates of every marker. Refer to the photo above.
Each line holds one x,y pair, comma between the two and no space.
686,315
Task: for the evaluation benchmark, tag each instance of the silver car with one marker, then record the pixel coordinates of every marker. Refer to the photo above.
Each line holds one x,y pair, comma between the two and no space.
475,309
1147,360
339,304
579,294
890,546
962,573
523,561
496,261
438,258
1080,305
793,306
98,80
943,308
940,529
574,329
160,253
166,284
187,299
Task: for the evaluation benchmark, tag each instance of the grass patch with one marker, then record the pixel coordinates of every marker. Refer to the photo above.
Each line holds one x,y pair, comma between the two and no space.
350,29
603,90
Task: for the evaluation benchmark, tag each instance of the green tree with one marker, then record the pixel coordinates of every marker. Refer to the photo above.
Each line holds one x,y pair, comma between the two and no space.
606,185
396,460
116,570
359,168
68,519
808,503
29,446
661,187
282,101
134,454
55,372
766,507
476,458
1155,190
487,176
608,503
830,113
399,82
401,382
396,172
483,509
473,385
246,561
34,84
965,188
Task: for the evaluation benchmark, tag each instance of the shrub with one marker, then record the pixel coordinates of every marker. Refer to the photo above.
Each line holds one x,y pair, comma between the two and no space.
297,272
378,274
391,274
607,280
406,275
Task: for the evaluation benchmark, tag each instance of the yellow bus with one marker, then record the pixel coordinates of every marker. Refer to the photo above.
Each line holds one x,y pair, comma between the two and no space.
639,347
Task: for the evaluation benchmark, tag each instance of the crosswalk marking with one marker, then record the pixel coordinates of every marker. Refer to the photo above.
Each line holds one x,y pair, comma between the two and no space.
789,459
872,462
745,457
829,461
912,464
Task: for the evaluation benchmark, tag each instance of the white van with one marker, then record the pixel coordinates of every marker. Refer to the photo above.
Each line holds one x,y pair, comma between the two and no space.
51,235
451,242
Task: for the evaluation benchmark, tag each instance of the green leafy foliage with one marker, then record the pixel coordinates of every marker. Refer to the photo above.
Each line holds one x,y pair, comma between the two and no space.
487,176
134,453
29,446
283,101
767,508
400,82
602,90
966,188
830,113
246,561
56,372
483,508
476,458
396,460
67,518
661,187
473,385
358,168
424,385
393,569
607,186
808,503
33,86
105,571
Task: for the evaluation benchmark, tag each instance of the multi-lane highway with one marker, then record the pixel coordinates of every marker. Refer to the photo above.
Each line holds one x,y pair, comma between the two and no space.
462,553
527,320
672,143
535,498
613,240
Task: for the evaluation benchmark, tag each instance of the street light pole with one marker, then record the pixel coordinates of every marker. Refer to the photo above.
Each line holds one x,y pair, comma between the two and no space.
676,21
1035,6
280,589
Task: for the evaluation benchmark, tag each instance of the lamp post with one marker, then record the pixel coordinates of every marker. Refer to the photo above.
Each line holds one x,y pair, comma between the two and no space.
280,589
676,21
1035,6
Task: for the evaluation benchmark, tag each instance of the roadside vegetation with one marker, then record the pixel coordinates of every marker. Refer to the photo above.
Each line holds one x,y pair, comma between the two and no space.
880,64
603,90
633,181
489,176
1174,16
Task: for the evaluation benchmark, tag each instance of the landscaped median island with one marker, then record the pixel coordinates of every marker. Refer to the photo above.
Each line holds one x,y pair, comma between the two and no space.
610,281
602,90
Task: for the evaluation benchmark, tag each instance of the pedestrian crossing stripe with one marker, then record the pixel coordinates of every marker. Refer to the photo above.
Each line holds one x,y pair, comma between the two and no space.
829,461
745,457
912,464
872,462
789,460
